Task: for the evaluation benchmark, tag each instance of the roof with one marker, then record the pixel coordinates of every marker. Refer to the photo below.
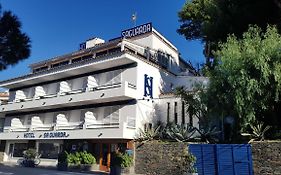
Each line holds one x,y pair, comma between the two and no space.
77,53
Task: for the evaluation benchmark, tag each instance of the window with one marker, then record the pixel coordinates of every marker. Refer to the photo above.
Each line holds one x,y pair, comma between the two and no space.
2,121
102,53
163,59
111,114
49,150
18,149
40,69
168,112
77,60
176,112
86,57
60,64
117,49
28,122
131,121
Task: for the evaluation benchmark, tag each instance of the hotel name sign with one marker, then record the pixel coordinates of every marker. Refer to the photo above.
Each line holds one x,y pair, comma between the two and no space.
136,31
47,135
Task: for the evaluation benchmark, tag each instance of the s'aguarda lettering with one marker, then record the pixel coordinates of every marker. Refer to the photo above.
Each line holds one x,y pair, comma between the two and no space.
139,30
55,134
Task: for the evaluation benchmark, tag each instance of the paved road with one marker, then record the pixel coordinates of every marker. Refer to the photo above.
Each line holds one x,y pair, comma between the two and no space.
16,170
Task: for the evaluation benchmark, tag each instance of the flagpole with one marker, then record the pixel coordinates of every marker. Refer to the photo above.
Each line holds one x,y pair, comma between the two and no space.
134,19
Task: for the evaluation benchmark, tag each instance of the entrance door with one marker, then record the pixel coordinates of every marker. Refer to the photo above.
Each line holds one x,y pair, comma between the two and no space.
104,157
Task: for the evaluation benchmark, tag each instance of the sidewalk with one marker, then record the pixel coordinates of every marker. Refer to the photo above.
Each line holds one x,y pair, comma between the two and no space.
53,168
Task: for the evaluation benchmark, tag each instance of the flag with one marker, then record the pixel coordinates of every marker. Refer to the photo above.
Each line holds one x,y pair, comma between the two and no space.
134,17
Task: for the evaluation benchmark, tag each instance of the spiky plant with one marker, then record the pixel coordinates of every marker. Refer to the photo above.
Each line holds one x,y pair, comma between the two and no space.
258,130
208,134
148,134
179,133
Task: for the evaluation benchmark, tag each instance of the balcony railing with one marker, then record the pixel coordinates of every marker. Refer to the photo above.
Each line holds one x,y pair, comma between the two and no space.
54,127
76,91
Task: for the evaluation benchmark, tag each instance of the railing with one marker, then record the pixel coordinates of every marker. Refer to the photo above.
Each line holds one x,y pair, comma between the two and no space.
106,86
130,85
55,127
17,129
76,91
69,126
100,124
49,127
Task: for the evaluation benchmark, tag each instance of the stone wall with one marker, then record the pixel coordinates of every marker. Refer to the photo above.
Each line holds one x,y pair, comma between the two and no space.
267,157
157,158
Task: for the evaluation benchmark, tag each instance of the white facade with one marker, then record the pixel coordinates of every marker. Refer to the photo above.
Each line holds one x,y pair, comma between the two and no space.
103,93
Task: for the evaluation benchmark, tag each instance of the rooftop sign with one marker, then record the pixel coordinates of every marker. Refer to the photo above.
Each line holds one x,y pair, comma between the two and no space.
136,31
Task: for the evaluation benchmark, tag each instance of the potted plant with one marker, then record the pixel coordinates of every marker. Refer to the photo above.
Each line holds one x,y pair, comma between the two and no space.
62,161
120,163
29,156
87,160
74,160
127,162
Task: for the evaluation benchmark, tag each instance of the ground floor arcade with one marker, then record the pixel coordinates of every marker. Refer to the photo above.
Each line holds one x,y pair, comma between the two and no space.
102,149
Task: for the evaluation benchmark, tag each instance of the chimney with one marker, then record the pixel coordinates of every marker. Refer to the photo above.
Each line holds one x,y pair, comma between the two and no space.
93,42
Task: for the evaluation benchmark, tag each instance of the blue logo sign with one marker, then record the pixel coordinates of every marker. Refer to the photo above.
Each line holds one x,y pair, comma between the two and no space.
148,86
139,30
82,46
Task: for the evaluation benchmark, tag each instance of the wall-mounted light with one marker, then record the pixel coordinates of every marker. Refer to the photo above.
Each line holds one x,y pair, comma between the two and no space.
43,103
100,135
102,95
70,99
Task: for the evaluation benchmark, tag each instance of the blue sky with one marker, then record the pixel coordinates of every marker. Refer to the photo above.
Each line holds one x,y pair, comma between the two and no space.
57,27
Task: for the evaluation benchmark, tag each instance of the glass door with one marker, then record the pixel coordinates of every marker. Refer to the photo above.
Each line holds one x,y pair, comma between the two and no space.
104,157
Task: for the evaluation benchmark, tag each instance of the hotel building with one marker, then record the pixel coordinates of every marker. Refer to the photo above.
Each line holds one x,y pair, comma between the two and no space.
96,98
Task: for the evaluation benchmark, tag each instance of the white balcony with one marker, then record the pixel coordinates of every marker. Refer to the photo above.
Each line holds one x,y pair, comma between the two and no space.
99,122
97,64
120,131
100,94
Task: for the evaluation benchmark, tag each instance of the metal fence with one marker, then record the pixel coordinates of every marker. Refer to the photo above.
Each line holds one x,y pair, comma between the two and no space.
222,159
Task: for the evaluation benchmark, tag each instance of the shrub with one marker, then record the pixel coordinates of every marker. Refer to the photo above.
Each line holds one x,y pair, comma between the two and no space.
79,158
122,160
127,160
74,158
30,154
87,158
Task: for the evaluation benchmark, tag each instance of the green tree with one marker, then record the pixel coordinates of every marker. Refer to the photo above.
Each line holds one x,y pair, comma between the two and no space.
213,20
246,84
14,44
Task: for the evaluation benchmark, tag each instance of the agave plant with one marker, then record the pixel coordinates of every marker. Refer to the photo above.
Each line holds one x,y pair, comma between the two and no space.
148,134
258,131
180,133
208,134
